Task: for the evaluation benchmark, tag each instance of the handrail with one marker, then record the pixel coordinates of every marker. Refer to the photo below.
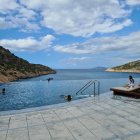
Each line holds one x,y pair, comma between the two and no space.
88,85
98,86
83,87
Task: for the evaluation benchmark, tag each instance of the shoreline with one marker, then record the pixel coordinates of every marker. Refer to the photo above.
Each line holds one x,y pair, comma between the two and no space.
14,79
124,71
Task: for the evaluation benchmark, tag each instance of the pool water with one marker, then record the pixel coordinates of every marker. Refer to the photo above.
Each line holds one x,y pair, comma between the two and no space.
36,92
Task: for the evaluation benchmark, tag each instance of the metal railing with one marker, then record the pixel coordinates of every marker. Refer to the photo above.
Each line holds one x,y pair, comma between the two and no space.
88,84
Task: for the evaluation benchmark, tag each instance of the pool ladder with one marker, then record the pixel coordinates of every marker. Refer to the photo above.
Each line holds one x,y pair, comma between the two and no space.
88,84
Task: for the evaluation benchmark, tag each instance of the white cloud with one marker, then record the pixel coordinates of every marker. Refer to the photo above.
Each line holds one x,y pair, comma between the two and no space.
14,15
7,5
76,60
18,22
81,18
129,44
73,49
27,13
27,44
111,26
29,27
4,24
133,2
76,18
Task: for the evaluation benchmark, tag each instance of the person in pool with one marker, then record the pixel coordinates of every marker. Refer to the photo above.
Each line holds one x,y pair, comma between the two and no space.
68,98
2,91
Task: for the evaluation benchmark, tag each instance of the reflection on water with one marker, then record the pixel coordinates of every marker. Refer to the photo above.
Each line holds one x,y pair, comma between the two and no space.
38,91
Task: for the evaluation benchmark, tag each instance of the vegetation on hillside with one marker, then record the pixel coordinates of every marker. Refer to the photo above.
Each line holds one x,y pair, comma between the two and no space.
129,67
13,67
132,65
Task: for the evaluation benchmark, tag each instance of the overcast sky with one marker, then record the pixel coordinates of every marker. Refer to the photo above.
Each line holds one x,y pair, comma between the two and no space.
72,33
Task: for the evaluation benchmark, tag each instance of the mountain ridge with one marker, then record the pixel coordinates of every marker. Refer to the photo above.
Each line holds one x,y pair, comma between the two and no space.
13,68
128,67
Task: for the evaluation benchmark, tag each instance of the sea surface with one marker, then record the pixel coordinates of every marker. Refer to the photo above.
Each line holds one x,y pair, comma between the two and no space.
36,92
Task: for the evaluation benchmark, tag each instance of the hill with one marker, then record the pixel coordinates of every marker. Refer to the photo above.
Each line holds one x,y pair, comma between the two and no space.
99,69
13,68
129,67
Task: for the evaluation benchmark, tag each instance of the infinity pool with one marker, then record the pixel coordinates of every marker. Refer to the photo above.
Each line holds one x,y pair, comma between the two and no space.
38,92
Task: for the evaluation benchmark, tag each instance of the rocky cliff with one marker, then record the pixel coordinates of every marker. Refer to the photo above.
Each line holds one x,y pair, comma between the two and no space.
129,67
13,68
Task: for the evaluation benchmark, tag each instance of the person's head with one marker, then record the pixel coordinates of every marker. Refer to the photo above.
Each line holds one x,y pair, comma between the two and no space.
69,97
130,77
3,89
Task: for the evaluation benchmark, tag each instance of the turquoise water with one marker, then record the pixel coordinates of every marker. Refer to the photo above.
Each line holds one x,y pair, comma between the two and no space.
38,91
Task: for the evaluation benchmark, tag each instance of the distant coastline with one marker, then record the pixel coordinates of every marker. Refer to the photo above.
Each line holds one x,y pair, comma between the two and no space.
19,76
133,67
123,70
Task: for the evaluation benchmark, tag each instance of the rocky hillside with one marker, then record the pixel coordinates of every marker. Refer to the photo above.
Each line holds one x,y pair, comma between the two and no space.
129,67
13,68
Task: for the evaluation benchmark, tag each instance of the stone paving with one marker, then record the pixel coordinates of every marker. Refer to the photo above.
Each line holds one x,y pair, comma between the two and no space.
100,118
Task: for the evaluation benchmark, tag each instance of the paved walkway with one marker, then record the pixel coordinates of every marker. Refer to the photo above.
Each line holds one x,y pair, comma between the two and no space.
101,118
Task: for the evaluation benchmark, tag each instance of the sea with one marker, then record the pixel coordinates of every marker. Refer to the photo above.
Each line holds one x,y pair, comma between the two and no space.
38,91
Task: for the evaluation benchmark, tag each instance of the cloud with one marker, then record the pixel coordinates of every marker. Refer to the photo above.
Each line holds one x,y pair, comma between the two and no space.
133,2
80,18
28,44
7,5
77,60
15,15
5,24
27,13
23,24
31,27
126,45
76,18
18,22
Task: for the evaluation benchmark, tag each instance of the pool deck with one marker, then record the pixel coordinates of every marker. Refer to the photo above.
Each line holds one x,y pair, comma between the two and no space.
99,118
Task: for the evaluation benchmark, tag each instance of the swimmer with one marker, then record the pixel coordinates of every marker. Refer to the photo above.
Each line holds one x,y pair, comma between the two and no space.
49,79
68,98
3,91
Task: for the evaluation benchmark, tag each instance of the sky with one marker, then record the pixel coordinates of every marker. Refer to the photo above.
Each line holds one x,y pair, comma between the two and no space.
72,34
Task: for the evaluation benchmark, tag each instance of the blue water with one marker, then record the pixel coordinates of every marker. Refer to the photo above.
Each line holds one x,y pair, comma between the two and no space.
38,91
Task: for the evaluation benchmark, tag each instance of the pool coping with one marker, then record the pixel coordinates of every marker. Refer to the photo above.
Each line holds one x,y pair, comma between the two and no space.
45,107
